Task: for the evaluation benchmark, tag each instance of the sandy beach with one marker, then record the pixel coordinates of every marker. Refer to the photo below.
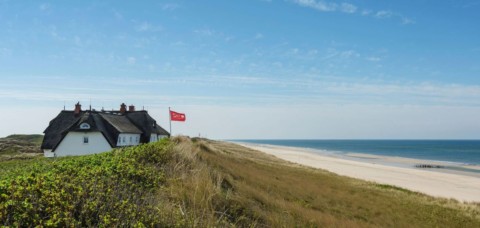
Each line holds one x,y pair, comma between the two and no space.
456,185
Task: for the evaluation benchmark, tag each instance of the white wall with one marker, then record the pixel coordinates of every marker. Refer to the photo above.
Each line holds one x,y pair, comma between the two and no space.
128,139
73,144
162,136
48,153
153,137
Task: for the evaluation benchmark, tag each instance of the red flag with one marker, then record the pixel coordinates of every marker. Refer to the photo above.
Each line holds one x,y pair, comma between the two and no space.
176,116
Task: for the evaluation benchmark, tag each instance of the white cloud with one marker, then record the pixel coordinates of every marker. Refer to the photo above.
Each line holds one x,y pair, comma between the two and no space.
131,60
407,21
384,14
326,121
318,5
313,52
334,54
54,33
259,36
5,52
44,6
178,43
77,40
117,15
293,51
349,54
170,6
366,12
147,27
374,59
348,8
205,32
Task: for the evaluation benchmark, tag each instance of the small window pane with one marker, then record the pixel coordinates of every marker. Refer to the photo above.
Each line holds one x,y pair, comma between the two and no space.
85,139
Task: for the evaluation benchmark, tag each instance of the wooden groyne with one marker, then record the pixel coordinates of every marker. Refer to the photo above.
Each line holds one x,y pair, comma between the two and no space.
429,166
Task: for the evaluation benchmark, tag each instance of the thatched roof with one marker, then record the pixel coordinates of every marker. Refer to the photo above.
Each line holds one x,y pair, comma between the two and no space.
110,124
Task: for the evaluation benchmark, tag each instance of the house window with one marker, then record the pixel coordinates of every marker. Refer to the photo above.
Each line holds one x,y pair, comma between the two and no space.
123,138
137,139
85,139
84,126
131,140
119,140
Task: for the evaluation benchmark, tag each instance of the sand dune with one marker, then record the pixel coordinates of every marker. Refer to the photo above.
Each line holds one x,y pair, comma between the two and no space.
448,185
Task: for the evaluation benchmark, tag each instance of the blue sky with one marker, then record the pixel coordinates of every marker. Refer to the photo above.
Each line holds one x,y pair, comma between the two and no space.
250,68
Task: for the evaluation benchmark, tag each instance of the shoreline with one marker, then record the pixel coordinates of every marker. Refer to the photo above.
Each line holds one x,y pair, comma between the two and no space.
396,171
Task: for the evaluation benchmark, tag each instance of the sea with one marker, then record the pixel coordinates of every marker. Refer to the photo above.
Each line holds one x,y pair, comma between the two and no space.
466,152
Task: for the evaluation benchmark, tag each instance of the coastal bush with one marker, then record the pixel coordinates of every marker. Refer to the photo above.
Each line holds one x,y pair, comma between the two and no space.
112,188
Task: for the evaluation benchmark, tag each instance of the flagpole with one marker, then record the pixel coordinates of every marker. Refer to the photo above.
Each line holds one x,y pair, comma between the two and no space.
170,118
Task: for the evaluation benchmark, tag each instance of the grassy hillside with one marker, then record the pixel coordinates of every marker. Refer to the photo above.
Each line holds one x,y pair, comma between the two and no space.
20,146
33,139
198,182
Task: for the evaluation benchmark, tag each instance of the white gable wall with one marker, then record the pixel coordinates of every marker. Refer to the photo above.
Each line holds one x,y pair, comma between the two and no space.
73,144
155,137
125,139
162,136
48,153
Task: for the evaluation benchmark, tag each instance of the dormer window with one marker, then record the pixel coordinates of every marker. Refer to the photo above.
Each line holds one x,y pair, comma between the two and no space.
84,126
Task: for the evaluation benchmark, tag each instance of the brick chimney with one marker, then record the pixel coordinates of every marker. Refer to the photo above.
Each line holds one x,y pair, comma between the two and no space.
123,108
78,108
131,108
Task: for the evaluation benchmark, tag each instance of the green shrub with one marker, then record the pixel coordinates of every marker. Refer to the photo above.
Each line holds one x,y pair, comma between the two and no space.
112,188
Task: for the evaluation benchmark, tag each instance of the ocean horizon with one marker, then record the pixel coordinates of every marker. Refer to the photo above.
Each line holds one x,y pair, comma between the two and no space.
453,151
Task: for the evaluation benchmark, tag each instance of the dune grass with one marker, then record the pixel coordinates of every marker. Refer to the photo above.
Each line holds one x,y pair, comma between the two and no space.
20,147
201,183
35,139
278,193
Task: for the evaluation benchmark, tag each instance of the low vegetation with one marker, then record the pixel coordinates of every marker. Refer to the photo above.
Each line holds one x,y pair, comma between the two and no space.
197,182
33,139
20,147
113,188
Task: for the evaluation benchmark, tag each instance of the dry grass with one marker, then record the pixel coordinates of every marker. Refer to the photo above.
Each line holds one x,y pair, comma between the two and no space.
219,184
17,147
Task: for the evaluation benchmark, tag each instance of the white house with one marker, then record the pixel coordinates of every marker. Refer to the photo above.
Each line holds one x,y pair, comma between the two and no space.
80,132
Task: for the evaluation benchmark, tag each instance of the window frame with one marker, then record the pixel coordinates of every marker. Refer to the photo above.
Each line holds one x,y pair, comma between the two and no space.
84,126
